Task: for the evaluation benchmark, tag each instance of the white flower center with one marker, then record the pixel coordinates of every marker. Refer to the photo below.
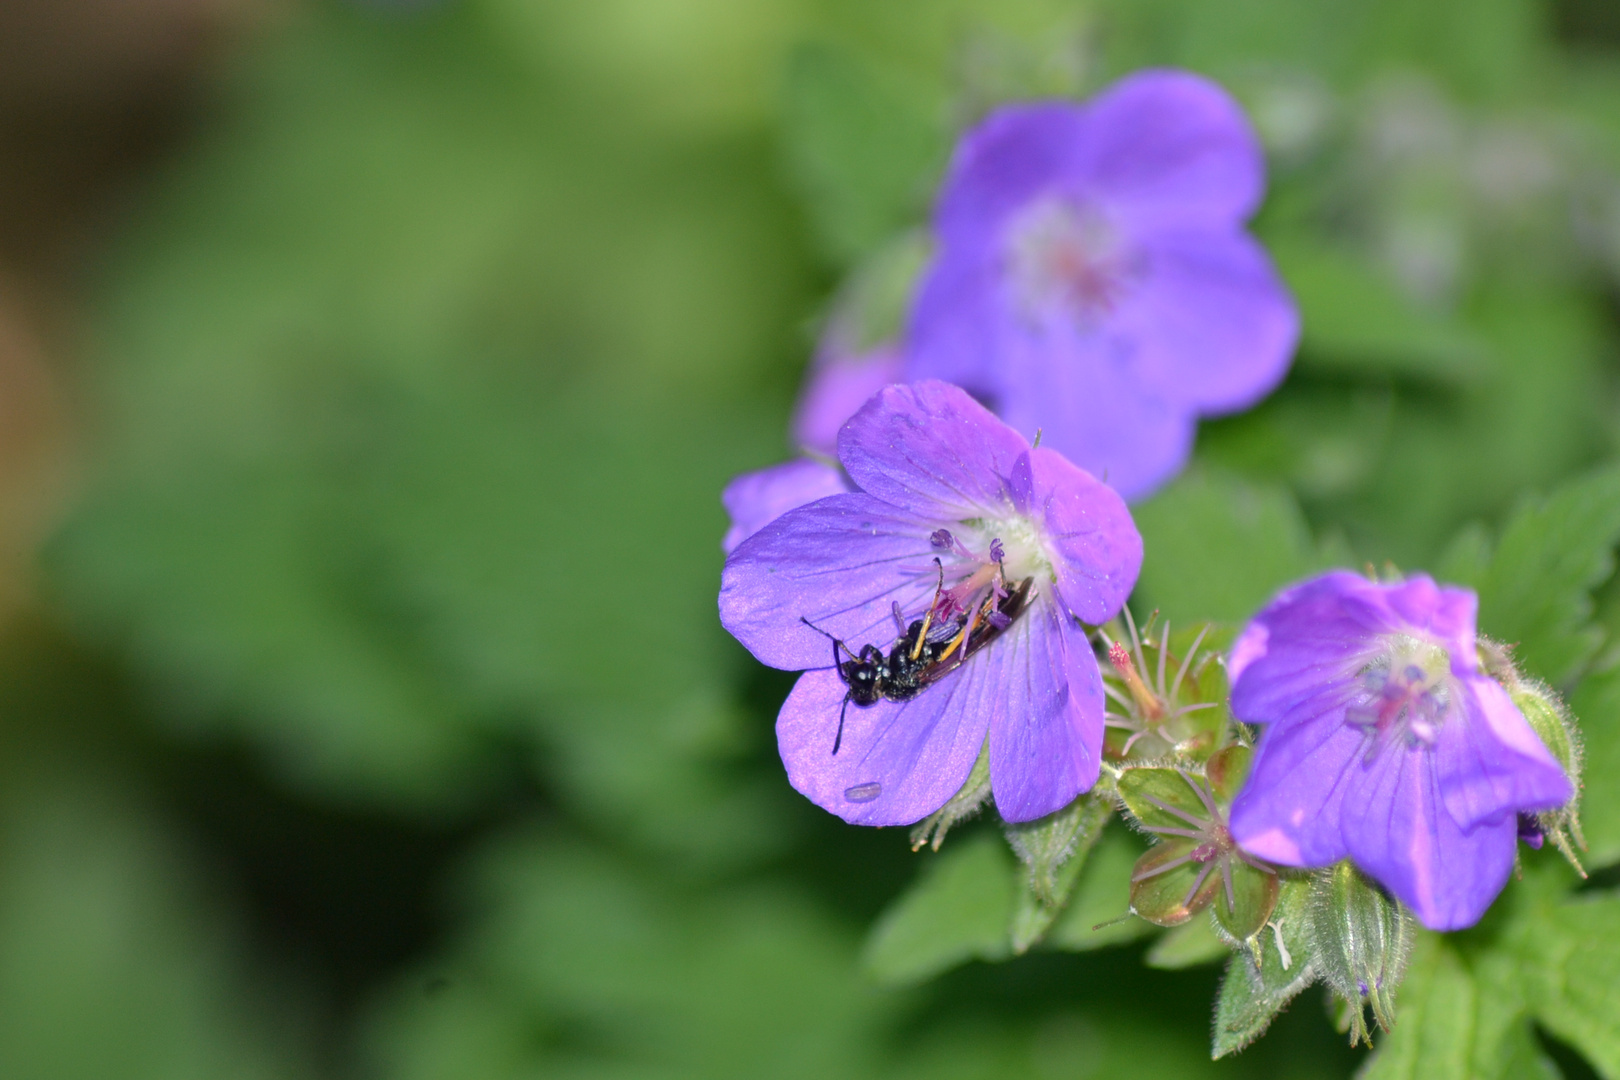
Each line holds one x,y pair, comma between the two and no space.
1066,259
1404,693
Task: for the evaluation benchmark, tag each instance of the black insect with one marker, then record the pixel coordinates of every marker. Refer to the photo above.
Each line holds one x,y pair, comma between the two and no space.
923,655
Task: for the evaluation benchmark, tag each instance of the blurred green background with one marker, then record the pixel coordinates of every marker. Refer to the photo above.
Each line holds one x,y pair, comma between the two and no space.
368,375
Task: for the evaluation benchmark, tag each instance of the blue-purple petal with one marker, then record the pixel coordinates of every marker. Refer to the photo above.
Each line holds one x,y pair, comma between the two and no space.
840,562
1289,809
1085,526
838,385
1047,728
1016,154
1212,325
1172,149
898,761
931,449
755,499
1315,634
1398,831
1488,759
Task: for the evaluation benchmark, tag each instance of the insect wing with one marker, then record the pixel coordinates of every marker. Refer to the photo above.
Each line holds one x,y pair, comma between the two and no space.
1014,604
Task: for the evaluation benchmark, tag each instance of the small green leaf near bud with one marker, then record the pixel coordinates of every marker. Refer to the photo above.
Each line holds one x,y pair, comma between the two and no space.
1054,850
1546,714
1245,900
1252,994
1553,724
1161,798
1360,941
1170,884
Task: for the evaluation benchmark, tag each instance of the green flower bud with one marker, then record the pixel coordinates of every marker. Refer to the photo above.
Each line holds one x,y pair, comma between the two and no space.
1360,940
1553,724
1167,692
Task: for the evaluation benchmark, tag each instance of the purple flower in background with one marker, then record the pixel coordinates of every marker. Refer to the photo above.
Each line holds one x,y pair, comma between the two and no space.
840,381
1094,278
1385,743
944,492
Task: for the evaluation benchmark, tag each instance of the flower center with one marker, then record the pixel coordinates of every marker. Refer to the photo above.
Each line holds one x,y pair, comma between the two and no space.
1067,259
983,560
1405,692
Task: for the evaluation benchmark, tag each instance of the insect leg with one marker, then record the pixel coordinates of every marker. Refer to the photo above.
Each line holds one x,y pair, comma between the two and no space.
838,740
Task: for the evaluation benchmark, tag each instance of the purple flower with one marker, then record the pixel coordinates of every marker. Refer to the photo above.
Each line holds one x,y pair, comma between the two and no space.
840,381
1094,278
942,489
1385,743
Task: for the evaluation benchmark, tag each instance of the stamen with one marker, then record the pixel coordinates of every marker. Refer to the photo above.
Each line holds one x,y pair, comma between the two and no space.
1145,700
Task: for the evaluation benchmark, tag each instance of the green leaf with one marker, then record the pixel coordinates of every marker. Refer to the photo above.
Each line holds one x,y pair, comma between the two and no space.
1252,995
958,910
1467,559
1098,914
1359,321
1573,951
1552,553
1596,707
1054,851
1219,547
112,963
864,146
402,365
1191,944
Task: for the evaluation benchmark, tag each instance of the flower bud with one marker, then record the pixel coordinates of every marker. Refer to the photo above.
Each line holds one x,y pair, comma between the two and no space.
1556,728
1360,940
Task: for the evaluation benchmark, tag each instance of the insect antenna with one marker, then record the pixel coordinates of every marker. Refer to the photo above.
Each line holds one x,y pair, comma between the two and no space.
838,643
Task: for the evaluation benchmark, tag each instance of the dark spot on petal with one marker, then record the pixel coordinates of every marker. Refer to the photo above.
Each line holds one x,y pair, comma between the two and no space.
864,792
